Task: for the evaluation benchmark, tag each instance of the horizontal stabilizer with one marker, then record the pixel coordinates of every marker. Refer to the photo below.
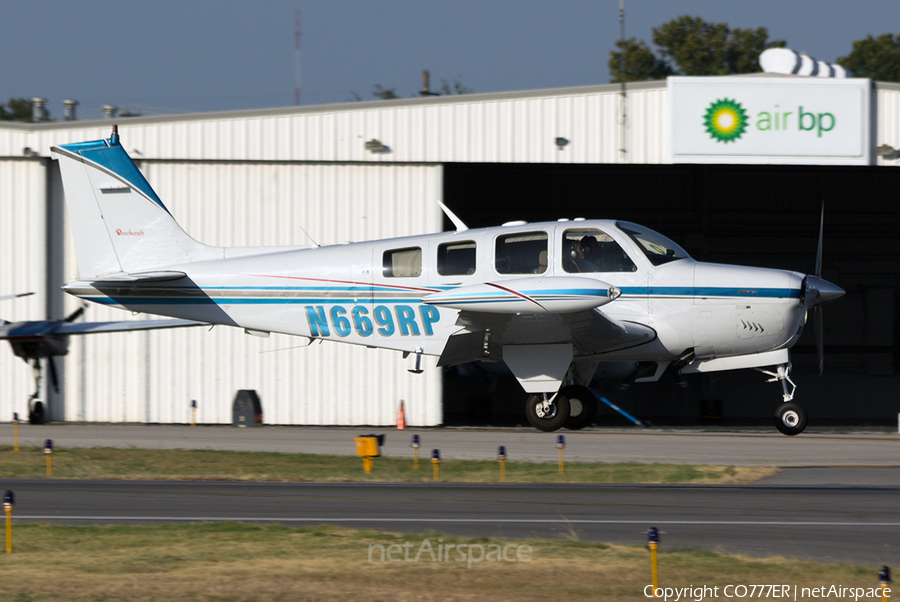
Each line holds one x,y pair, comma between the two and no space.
141,277
123,326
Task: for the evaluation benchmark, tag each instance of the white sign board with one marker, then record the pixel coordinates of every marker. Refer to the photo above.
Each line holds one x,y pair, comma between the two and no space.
786,120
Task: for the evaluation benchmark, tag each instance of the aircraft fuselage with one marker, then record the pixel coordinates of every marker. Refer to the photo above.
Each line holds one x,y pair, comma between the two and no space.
345,293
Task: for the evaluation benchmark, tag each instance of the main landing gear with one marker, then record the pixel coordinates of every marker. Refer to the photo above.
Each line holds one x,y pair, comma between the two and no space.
573,407
790,418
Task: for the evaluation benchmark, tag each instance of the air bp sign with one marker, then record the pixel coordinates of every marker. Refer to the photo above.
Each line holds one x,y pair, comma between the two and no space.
788,120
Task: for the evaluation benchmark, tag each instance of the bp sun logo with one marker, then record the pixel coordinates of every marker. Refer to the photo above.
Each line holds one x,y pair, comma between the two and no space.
725,120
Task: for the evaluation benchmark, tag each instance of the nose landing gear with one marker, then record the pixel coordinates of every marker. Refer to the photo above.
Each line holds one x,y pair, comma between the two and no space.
790,418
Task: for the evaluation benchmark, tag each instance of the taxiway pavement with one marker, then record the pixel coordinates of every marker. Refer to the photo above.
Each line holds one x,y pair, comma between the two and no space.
732,447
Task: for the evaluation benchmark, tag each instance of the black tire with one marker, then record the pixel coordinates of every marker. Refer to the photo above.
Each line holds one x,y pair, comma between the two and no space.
554,420
582,407
790,419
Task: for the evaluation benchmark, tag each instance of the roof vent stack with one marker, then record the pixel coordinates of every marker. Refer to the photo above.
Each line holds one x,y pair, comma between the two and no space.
38,112
69,110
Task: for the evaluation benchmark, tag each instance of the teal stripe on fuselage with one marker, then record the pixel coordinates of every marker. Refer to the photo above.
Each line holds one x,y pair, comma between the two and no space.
710,291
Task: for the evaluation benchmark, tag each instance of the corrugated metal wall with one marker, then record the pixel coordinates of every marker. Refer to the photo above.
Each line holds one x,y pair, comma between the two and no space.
887,121
518,127
22,268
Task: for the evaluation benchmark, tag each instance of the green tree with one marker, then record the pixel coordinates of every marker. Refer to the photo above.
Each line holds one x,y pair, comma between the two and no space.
17,109
875,58
640,63
384,93
691,46
700,48
454,87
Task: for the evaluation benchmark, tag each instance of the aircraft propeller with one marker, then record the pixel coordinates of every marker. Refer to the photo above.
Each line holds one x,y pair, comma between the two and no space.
817,291
76,314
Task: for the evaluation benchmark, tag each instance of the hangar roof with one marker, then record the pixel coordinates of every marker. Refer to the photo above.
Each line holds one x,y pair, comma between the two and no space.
561,125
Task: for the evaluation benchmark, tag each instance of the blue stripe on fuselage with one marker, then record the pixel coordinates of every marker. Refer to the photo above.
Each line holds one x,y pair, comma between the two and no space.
710,291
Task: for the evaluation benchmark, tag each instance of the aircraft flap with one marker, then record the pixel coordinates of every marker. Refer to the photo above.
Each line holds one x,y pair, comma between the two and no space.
462,347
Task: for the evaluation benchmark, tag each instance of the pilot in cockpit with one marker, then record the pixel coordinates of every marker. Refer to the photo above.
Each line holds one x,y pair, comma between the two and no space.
584,253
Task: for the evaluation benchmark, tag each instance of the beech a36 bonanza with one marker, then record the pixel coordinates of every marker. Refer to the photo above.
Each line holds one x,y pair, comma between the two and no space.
552,300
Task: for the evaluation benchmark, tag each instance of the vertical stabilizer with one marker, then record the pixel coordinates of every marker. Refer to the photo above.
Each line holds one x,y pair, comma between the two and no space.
118,222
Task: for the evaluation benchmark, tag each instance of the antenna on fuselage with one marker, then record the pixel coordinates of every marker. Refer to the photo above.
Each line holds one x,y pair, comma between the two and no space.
460,226
315,244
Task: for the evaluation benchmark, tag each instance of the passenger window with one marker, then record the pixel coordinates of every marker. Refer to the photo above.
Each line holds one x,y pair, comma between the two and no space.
403,263
591,250
521,253
456,258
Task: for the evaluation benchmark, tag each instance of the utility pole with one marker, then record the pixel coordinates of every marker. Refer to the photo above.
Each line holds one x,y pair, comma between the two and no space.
297,60
623,150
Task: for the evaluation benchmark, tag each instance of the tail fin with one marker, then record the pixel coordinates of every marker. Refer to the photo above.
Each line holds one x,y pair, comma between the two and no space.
119,224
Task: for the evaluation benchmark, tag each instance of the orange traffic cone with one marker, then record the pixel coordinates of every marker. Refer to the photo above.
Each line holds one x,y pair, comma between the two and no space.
401,417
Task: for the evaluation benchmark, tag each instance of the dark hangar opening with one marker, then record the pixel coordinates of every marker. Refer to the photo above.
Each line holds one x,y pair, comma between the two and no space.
766,216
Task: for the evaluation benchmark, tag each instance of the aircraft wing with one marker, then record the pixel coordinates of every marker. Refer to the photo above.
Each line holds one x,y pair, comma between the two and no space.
123,326
594,332
591,332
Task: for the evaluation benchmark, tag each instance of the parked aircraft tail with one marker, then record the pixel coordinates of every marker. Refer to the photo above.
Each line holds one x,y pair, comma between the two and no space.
119,223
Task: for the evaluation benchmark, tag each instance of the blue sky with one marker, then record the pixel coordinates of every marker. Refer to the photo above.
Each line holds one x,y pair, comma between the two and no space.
167,56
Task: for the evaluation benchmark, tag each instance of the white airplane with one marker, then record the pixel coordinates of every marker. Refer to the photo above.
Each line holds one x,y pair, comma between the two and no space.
552,300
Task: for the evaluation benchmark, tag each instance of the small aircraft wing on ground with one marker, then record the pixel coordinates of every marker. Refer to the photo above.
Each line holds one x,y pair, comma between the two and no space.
34,340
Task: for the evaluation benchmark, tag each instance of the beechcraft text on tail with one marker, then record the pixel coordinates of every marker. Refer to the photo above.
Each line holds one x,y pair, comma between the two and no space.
551,300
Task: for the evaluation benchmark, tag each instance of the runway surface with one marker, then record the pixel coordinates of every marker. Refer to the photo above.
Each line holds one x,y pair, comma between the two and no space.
733,447
847,524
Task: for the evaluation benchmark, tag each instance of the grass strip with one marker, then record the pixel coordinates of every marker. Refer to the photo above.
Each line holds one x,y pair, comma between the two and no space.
236,561
110,463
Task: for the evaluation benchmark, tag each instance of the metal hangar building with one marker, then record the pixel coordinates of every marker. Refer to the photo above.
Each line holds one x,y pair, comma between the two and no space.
733,168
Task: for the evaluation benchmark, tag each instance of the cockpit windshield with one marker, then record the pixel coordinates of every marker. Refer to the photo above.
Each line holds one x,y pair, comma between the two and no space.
656,247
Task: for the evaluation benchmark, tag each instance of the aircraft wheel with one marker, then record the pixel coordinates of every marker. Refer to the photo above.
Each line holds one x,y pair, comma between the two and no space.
790,419
582,407
550,420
